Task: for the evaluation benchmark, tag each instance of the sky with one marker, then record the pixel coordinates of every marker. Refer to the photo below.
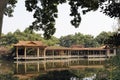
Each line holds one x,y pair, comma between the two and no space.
92,23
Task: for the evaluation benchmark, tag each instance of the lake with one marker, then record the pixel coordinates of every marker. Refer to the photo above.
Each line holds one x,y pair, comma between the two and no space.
62,69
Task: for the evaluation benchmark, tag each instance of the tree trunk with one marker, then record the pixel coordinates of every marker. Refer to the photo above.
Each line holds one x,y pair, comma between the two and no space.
3,4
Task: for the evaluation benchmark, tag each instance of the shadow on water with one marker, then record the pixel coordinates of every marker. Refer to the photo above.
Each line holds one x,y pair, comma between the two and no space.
50,69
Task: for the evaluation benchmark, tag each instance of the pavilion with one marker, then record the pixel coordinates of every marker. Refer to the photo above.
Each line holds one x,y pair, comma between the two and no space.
23,46
37,50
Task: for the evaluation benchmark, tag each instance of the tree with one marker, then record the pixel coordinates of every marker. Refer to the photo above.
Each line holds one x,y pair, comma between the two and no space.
27,35
114,40
89,41
78,39
66,41
6,7
8,40
103,37
53,41
45,11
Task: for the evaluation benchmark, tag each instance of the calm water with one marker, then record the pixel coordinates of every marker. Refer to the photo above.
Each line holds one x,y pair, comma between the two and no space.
72,69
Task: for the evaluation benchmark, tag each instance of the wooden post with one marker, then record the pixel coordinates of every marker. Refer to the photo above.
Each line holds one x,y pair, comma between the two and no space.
70,53
53,54
78,54
108,53
25,53
38,51
17,53
88,53
114,52
45,54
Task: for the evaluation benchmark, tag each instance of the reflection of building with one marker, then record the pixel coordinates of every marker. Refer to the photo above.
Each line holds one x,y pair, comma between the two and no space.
37,50
30,68
27,67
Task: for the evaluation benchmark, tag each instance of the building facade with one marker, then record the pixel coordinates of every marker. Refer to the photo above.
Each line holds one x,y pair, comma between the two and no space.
28,50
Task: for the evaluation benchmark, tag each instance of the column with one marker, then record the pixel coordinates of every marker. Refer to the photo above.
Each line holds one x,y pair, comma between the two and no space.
78,54
70,51
114,52
38,51
108,53
88,53
17,53
44,53
25,53
100,52
53,54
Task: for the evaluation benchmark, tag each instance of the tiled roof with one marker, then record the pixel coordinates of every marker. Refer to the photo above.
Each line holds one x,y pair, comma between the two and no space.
57,48
87,48
30,43
90,48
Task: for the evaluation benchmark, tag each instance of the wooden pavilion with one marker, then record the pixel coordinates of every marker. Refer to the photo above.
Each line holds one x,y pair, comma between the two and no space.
38,50
22,47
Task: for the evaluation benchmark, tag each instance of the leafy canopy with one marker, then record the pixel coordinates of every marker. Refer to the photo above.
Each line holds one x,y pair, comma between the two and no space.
10,7
45,11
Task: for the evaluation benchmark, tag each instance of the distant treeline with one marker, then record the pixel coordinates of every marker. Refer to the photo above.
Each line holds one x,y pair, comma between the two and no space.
66,41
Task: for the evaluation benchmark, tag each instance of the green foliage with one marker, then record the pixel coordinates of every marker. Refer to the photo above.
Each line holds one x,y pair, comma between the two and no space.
7,77
114,40
10,7
103,37
8,40
113,66
78,39
56,75
102,74
52,41
111,8
26,35
45,12
89,41
66,41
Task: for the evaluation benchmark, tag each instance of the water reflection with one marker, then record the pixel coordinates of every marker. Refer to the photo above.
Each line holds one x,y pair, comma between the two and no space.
6,67
64,69
7,71
23,67
35,68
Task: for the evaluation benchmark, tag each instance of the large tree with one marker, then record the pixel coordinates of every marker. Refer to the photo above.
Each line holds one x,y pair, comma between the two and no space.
6,7
103,37
45,11
78,39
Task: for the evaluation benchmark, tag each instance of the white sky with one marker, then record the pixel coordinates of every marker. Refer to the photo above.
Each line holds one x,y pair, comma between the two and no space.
92,23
